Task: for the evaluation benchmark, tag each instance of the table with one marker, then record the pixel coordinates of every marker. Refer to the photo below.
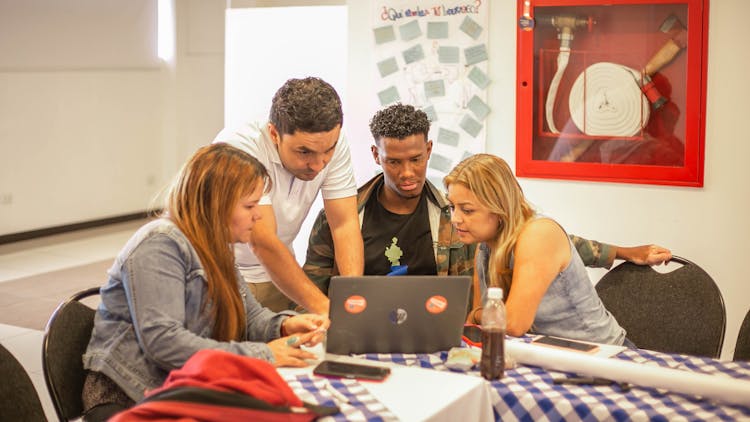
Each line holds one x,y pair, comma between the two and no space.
528,393
408,394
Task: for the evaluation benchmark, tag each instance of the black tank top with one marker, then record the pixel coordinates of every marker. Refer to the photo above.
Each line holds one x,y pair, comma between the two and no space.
396,239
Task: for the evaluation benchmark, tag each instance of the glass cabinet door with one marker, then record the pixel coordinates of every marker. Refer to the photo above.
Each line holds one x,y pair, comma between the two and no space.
612,92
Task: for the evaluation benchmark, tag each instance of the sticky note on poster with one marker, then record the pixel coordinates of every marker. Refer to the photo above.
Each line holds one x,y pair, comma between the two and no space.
478,107
413,54
434,88
384,34
387,67
388,96
432,115
448,137
410,31
448,55
475,54
479,78
471,28
437,30
471,126
440,163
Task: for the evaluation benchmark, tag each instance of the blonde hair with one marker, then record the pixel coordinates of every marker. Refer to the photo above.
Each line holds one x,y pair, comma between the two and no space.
491,180
200,202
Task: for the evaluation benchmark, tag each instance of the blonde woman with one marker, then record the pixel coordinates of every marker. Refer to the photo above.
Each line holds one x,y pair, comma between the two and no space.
174,288
529,256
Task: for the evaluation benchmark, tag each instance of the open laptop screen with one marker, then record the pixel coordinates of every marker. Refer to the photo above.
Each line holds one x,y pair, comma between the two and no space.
396,314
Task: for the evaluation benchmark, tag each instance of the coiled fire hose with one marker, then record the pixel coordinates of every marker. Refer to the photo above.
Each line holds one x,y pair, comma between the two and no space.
606,100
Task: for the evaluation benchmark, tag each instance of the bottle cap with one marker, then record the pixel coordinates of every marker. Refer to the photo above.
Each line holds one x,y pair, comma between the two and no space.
495,293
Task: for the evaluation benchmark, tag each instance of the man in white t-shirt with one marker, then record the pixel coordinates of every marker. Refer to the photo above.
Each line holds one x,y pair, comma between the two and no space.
304,150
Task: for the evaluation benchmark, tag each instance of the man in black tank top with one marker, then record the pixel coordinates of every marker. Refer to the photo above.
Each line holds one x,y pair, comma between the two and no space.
405,219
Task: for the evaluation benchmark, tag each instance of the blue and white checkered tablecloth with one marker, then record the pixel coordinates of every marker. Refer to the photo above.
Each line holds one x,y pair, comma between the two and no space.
529,393
360,405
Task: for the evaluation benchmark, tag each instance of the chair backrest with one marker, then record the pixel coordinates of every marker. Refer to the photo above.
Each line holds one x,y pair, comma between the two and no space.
681,311
742,349
18,398
65,340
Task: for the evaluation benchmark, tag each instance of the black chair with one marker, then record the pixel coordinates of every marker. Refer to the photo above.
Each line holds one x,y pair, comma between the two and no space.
65,340
18,398
681,311
742,349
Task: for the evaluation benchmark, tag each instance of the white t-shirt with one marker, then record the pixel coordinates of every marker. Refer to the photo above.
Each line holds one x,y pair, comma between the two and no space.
291,198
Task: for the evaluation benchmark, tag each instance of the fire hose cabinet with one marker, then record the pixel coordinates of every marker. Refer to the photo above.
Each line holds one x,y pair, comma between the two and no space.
612,91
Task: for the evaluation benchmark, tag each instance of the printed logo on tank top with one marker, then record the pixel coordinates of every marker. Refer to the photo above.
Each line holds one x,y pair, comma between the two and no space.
394,253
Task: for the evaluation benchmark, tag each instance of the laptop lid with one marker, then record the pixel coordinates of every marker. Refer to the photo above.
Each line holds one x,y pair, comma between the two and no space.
396,314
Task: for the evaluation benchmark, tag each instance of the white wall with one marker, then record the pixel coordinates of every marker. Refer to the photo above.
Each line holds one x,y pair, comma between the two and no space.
100,130
199,77
248,87
167,114
78,122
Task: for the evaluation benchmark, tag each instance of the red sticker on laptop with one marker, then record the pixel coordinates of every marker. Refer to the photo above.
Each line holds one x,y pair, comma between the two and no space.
436,304
355,304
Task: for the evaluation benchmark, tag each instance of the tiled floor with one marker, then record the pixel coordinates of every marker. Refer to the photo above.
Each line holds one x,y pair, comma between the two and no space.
24,259
31,257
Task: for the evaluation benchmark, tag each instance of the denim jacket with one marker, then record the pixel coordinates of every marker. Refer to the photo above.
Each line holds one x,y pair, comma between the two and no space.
152,316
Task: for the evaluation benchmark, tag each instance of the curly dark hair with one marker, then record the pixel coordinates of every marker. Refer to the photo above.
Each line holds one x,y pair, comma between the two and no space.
399,121
308,105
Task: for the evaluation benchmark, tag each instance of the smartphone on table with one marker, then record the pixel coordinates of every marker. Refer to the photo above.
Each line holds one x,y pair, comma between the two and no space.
566,344
329,368
472,335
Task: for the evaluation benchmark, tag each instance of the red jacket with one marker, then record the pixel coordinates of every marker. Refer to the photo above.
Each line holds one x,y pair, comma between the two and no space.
215,385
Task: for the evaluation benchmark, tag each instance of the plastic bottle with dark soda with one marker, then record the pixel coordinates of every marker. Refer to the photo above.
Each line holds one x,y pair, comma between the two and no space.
492,365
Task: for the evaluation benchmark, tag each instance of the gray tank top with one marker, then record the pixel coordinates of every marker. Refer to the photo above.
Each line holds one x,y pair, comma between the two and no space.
571,307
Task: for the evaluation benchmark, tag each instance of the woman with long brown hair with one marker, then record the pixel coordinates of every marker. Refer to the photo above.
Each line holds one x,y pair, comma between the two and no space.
174,289
545,283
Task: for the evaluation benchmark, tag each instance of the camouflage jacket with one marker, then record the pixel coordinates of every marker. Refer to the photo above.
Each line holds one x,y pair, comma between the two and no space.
594,254
452,257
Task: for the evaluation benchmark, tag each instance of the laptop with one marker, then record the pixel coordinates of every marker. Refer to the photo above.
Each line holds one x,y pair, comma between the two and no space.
396,314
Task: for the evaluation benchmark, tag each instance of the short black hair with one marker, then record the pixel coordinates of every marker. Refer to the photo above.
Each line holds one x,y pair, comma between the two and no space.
308,105
399,121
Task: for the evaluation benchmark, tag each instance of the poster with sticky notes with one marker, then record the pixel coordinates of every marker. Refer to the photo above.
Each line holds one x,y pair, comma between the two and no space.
433,55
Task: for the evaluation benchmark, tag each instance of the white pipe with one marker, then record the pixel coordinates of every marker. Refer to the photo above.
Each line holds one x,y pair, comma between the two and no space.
562,62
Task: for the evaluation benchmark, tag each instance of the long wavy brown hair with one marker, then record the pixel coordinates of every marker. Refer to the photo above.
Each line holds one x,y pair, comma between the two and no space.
200,202
491,180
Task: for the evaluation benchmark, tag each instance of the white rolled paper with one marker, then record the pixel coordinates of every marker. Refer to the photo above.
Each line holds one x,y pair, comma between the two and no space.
715,387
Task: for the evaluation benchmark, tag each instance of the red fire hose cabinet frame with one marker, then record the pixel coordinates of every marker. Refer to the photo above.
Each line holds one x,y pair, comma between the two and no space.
613,91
